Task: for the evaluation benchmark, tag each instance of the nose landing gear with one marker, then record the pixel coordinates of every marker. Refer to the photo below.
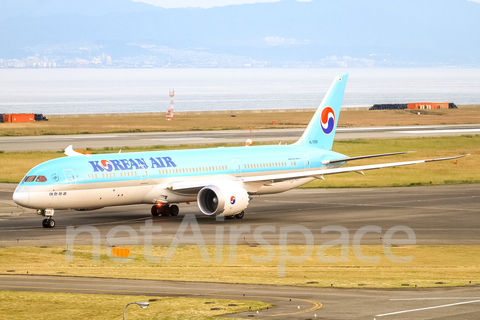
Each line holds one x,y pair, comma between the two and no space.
48,223
48,214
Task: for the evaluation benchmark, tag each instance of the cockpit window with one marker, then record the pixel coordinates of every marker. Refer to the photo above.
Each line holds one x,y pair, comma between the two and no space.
41,179
29,178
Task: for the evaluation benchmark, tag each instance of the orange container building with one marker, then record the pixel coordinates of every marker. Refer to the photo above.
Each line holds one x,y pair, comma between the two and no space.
19,117
428,105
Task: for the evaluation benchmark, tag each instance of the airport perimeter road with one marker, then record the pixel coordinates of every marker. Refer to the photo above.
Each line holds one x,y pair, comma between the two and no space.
443,215
60,142
325,303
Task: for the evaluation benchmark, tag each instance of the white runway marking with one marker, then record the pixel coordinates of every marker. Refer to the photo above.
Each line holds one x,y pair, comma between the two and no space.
457,298
384,128
428,308
180,139
95,137
37,140
439,131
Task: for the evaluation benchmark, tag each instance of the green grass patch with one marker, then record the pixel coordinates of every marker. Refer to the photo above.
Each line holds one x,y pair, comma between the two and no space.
451,265
231,120
40,305
464,171
14,165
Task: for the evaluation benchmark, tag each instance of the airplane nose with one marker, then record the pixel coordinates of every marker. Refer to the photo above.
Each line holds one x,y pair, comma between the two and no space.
21,198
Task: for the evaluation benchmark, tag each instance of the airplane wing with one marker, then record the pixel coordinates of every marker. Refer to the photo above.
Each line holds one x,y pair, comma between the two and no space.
319,173
323,172
325,162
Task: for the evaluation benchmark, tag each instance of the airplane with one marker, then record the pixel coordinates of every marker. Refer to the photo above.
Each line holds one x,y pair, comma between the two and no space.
221,180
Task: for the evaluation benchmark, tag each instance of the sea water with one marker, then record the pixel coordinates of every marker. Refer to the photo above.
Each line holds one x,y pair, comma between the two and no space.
72,91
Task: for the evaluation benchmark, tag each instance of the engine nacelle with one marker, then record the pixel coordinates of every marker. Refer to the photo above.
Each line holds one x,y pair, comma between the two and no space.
225,199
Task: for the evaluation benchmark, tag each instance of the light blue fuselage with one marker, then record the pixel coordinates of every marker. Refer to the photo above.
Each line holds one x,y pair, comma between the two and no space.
221,179
140,169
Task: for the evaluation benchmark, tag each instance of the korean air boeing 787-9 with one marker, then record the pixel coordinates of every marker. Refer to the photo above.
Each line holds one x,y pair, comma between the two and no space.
221,180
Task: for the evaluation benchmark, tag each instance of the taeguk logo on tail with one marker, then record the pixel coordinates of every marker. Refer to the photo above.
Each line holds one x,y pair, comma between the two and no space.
232,200
107,165
327,120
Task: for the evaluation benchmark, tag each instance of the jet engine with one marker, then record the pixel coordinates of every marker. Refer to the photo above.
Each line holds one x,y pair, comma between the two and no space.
226,200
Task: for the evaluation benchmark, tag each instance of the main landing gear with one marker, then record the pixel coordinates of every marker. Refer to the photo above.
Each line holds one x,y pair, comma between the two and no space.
48,222
165,210
236,216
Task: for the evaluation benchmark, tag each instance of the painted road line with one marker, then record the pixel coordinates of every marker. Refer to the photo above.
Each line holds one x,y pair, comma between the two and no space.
387,128
428,308
36,140
180,139
439,131
457,298
95,137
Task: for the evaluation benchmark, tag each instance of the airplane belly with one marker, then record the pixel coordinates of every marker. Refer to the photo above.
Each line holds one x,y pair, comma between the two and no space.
278,187
161,194
88,198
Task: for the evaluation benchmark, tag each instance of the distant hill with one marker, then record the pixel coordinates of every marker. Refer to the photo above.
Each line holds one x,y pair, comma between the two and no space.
45,8
403,32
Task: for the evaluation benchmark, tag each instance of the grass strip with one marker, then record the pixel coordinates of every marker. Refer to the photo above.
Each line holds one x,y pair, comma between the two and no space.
462,171
430,266
40,305
228,120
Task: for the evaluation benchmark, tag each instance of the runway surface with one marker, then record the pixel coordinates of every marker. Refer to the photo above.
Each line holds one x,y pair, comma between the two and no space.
442,215
305,303
438,215
60,142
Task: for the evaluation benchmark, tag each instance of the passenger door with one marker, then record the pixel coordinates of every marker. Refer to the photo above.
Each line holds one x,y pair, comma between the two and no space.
70,179
306,162
237,168
143,175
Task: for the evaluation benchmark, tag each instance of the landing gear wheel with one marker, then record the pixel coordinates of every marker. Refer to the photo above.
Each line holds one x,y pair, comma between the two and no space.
51,223
230,217
174,210
164,210
240,215
154,211
48,223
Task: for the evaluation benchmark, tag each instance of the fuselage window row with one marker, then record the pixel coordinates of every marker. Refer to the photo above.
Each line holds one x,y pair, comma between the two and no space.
177,170
267,165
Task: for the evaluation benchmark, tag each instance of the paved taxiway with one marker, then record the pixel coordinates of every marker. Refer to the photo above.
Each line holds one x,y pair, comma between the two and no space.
325,303
441,215
438,215
60,142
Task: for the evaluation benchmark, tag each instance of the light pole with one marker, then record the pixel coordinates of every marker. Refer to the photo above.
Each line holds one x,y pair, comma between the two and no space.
141,304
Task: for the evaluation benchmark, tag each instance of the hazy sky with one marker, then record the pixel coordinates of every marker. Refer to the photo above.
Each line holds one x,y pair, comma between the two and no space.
202,3
208,3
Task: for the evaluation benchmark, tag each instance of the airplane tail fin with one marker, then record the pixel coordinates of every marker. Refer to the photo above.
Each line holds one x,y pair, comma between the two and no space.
321,129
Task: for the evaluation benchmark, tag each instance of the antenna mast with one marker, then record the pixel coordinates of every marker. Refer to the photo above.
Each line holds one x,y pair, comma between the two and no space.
170,110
